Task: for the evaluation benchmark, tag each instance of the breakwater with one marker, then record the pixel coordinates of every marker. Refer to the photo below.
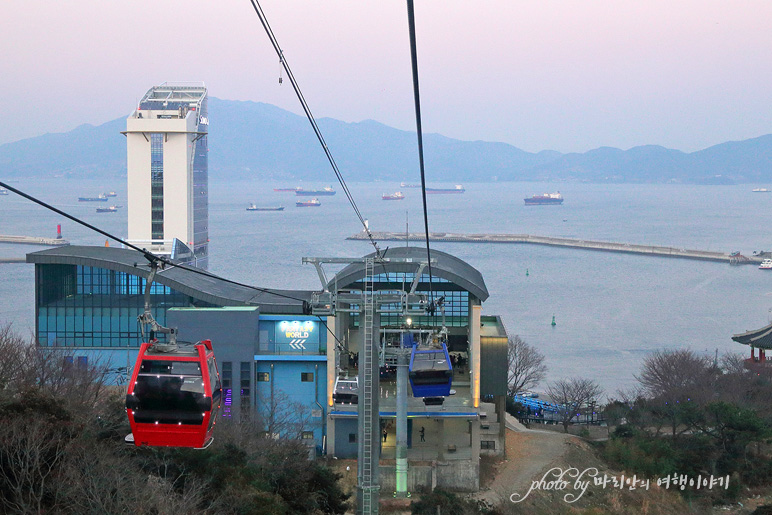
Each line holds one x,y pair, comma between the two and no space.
607,246
33,240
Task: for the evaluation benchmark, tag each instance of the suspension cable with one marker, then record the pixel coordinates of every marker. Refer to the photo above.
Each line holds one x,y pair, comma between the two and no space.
283,60
146,253
153,257
417,97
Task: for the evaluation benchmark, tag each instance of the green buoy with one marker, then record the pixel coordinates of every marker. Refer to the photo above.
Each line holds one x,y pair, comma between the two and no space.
553,321
526,272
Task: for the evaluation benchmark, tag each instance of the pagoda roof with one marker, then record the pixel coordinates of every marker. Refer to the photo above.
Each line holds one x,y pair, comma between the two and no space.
759,338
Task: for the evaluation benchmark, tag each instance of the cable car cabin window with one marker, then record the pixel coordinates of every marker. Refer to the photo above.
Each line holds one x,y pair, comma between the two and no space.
214,383
175,368
169,392
430,377
214,379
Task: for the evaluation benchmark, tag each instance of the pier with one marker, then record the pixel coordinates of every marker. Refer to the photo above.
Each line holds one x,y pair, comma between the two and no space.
607,246
33,240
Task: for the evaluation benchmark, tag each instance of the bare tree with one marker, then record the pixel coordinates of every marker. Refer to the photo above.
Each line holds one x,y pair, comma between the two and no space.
32,449
525,364
280,416
15,353
677,384
571,396
676,374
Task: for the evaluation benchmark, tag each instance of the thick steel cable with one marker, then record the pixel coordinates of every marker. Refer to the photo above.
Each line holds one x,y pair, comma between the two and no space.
417,97
264,21
152,257
147,254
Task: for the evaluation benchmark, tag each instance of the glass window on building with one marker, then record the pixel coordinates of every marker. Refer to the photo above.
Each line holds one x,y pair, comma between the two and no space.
83,306
245,373
157,186
307,377
263,377
307,435
488,444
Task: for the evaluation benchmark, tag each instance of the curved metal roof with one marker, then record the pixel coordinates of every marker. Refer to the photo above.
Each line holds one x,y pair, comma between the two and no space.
759,338
214,290
447,267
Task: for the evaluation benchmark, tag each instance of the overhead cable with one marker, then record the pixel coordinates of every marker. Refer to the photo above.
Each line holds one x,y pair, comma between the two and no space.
283,60
417,97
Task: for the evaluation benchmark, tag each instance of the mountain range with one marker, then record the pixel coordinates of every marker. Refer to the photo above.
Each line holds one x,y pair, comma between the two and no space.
248,138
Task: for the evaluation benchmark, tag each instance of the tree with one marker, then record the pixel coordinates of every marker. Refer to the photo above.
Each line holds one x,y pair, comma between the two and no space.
677,383
676,374
525,364
571,395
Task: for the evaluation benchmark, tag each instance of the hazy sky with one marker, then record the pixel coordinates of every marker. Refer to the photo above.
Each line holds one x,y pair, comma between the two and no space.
549,74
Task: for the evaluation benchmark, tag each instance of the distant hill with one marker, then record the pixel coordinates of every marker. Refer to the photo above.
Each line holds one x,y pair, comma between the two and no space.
248,138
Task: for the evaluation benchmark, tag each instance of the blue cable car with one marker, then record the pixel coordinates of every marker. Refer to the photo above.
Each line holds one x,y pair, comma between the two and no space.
431,373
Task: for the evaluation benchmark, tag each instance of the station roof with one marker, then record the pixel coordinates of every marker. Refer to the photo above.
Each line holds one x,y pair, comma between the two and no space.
207,288
447,267
759,338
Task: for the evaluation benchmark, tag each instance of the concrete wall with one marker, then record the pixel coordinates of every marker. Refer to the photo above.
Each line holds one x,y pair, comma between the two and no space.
234,335
178,191
459,476
343,428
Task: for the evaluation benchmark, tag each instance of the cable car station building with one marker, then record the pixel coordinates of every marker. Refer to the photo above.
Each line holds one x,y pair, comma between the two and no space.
280,364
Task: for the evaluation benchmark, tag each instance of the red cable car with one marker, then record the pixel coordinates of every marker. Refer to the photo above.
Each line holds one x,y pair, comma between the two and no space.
174,396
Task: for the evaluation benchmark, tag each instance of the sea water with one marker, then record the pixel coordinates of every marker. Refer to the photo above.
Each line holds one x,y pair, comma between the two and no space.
610,309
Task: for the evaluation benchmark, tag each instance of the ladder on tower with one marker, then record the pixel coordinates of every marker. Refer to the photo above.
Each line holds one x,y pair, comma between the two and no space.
371,419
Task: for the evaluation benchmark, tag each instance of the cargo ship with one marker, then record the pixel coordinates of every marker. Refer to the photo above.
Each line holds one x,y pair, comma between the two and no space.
287,189
3,191
111,209
444,191
761,190
406,185
314,202
766,265
101,198
393,196
253,207
545,199
326,191
110,194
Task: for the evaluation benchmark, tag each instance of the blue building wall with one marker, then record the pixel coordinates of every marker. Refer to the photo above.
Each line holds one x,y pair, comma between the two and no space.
298,383
345,437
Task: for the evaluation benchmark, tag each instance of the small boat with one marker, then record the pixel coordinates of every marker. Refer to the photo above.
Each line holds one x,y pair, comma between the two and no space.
110,194
545,199
393,196
314,202
111,209
287,189
766,265
326,191
761,190
253,207
3,191
101,198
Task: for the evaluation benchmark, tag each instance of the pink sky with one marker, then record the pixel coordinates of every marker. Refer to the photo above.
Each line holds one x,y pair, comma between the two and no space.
555,74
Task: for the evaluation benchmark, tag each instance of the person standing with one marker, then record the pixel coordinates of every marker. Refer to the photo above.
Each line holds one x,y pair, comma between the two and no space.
422,432
385,434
